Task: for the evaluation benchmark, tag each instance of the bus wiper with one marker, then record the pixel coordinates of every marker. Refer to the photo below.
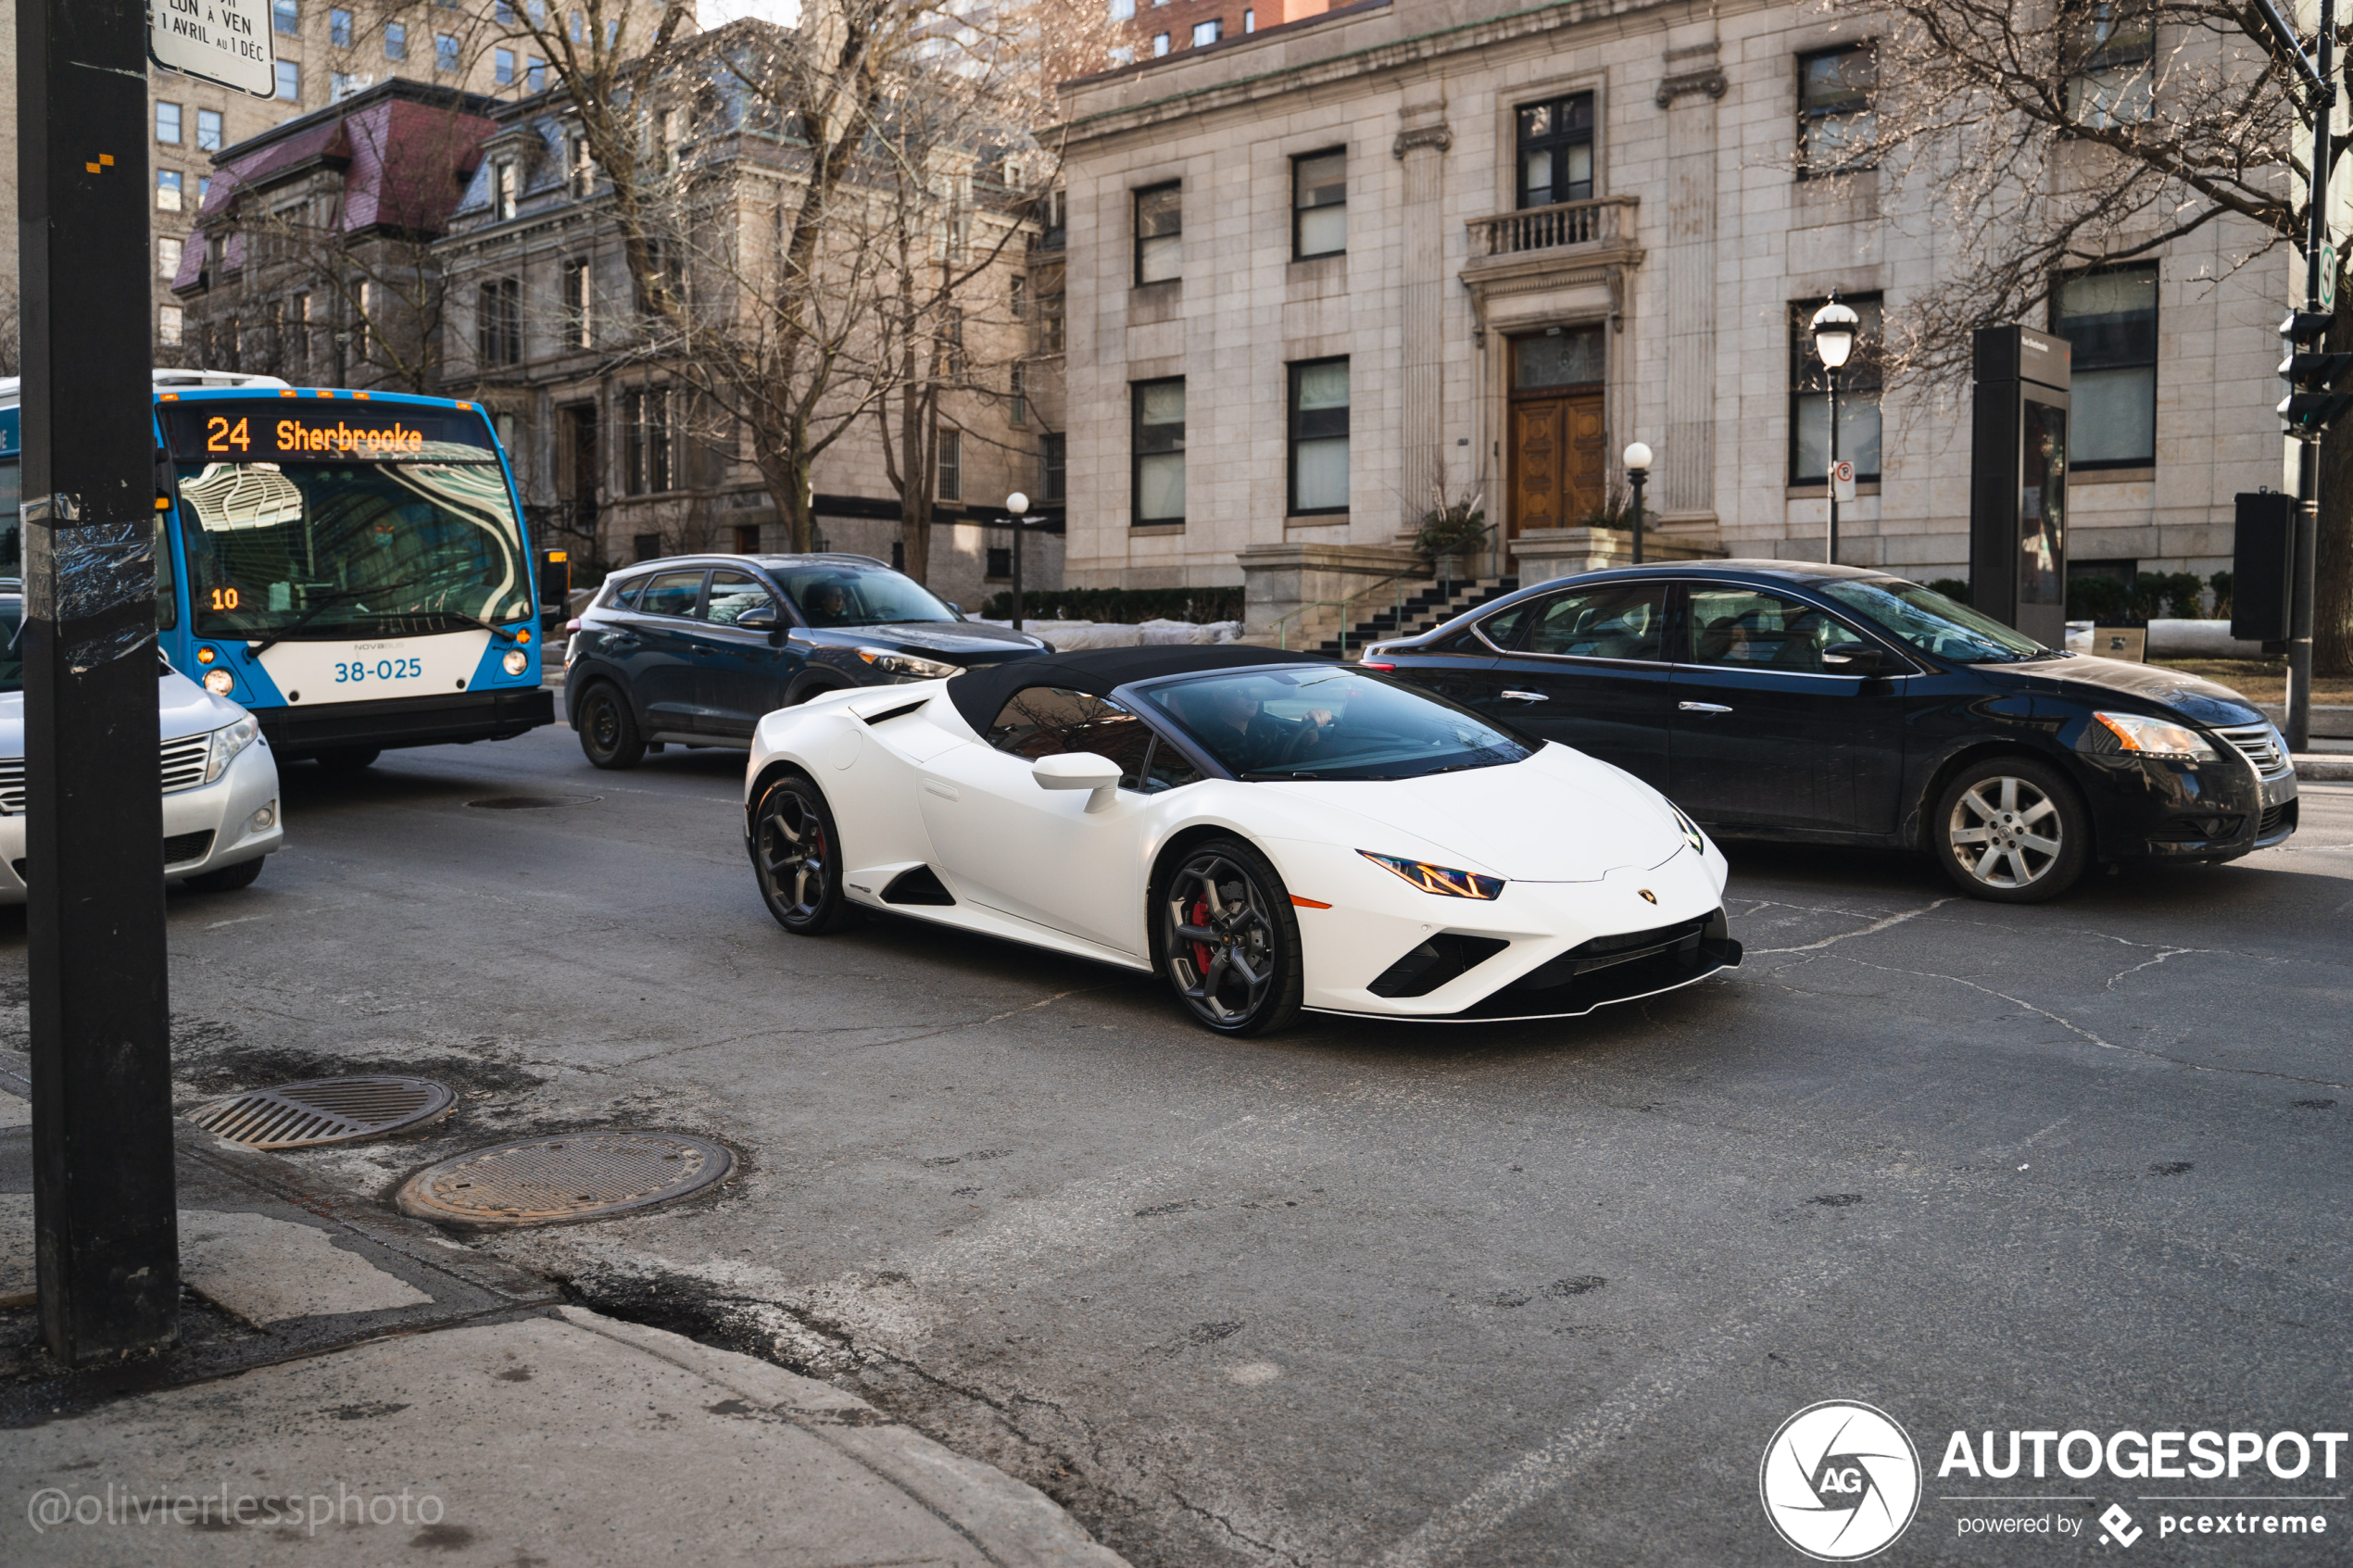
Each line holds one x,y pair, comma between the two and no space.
320,608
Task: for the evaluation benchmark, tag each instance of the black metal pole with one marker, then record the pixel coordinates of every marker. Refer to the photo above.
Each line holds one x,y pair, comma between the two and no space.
1832,371
1636,477
1015,523
103,1207
2304,562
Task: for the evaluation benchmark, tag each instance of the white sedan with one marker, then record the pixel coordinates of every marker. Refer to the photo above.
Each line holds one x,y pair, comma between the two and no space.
1269,833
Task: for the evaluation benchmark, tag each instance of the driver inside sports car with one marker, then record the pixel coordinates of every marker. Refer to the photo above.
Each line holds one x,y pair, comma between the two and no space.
1233,719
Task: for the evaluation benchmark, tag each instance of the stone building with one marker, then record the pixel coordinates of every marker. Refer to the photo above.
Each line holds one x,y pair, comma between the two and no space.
1322,274
311,259
544,327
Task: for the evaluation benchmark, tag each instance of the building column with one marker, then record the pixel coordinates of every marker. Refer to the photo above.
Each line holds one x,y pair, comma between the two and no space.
1421,145
1689,92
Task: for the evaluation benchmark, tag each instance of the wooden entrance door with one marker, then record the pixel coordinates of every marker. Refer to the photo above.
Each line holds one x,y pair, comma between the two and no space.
1558,465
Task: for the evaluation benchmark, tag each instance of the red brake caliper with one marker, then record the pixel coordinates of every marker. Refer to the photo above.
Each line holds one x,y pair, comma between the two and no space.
1199,916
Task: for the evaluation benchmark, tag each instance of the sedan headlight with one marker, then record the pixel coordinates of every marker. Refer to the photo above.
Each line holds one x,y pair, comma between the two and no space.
1692,835
907,664
516,661
2155,737
229,741
1442,880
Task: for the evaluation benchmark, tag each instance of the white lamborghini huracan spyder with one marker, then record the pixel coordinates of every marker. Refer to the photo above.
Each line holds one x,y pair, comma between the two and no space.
1269,832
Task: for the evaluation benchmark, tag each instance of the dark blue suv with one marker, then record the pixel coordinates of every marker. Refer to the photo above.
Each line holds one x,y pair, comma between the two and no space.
695,649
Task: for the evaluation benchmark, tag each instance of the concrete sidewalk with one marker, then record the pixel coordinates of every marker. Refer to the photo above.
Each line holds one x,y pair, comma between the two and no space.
354,1386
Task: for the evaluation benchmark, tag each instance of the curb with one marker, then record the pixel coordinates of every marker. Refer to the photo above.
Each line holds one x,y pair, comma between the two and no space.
2311,768
1013,1522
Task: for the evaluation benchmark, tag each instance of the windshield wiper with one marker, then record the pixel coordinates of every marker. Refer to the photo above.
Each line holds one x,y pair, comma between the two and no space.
316,610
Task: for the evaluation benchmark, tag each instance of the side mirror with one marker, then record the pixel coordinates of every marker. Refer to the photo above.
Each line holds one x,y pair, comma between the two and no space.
1079,770
759,618
1853,659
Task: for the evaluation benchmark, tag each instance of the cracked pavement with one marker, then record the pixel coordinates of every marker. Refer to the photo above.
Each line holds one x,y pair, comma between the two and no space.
1363,1294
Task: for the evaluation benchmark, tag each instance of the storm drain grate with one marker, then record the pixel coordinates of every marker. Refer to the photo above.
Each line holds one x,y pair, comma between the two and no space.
324,1110
530,802
575,1176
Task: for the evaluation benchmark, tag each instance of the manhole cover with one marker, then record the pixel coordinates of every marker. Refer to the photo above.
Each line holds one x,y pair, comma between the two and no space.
571,1176
324,1110
530,802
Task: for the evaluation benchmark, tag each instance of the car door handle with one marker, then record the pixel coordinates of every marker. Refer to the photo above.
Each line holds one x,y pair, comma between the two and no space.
1526,697
1703,708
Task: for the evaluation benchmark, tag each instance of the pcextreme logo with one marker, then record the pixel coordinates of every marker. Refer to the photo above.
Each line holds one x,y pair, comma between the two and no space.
1839,1481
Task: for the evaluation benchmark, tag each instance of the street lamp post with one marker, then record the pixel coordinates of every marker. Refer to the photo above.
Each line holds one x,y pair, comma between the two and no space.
1638,473
1834,328
1016,509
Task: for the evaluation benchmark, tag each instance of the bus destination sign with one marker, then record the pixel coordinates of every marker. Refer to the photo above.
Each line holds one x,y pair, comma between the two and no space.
222,41
268,431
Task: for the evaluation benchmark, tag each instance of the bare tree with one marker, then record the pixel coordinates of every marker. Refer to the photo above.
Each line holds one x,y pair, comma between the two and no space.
789,202
2051,135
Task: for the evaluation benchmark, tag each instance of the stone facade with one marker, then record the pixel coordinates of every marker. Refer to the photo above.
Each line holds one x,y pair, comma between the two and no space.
1690,252
574,390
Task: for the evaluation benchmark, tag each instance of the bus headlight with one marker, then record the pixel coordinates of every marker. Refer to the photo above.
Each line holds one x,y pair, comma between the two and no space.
220,683
229,741
516,661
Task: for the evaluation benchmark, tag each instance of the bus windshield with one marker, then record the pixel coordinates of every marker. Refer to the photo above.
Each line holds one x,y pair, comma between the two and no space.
310,522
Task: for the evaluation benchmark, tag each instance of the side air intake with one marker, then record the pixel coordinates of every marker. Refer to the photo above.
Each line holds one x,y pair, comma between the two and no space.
917,884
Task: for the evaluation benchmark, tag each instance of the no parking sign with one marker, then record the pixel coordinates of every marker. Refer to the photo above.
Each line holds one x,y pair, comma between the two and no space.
1843,480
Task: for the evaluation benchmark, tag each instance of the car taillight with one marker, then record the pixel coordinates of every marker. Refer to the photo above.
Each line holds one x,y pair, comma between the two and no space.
571,626
1372,664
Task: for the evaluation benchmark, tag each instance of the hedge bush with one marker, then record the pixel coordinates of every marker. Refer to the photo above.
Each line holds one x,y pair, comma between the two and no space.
1126,606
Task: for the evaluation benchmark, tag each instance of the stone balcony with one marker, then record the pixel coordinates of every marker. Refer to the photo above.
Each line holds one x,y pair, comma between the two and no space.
1539,249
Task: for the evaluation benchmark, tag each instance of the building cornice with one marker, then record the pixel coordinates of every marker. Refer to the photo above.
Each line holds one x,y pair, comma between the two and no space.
1392,55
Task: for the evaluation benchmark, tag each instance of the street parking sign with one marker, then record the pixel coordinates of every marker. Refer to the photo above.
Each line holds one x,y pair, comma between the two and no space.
222,41
1843,480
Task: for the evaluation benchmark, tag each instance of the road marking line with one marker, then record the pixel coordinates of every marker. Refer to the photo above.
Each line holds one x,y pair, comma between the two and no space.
1541,1472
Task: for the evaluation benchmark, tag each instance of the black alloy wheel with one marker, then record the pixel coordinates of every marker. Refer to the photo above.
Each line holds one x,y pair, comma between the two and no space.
1229,939
347,759
608,736
796,854
2011,830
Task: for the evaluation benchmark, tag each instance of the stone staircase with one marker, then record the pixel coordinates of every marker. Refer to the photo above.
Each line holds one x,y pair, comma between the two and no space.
1420,612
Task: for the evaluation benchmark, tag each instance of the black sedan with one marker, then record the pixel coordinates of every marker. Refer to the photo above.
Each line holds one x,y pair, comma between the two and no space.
695,649
1830,704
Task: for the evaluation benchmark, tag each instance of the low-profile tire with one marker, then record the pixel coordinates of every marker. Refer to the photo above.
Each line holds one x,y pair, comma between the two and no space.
608,736
2012,830
227,879
344,759
1229,939
796,858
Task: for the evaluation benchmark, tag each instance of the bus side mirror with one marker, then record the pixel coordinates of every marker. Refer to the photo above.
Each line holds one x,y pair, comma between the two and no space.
555,578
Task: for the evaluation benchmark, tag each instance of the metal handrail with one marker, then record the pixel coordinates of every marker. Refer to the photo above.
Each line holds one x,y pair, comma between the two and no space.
1283,631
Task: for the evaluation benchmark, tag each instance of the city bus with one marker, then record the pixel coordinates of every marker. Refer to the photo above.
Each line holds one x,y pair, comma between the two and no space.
348,566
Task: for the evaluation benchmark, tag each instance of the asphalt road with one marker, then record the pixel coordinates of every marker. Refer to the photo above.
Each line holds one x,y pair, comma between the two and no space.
1377,1294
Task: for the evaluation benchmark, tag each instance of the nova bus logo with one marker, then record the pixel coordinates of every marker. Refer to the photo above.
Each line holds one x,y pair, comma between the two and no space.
1839,1481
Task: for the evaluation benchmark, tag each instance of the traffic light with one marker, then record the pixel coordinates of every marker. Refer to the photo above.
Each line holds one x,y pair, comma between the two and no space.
2318,393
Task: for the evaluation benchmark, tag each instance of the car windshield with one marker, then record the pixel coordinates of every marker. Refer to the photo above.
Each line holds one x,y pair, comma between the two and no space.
1933,623
851,596
1329,723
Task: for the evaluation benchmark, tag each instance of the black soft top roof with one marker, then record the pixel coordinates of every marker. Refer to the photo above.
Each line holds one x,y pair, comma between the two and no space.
980,695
